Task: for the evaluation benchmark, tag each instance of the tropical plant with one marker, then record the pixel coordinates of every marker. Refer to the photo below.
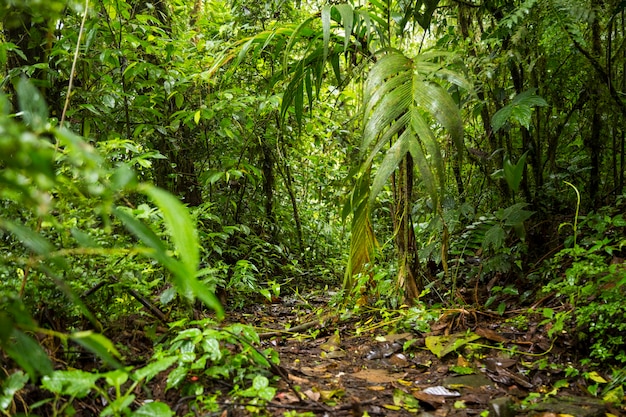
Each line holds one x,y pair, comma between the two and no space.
401,99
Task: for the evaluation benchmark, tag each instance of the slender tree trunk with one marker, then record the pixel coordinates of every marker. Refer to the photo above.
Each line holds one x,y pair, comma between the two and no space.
406,245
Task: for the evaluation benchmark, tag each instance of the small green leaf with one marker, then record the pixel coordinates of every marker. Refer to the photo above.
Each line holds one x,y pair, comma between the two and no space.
176,377
151,370
11,385
116,378
153,409
75,383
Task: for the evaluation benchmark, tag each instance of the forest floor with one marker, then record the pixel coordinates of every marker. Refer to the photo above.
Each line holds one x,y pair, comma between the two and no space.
468,363
403,362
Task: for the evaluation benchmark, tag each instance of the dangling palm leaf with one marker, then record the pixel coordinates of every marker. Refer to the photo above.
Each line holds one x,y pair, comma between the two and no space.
401,100
398,99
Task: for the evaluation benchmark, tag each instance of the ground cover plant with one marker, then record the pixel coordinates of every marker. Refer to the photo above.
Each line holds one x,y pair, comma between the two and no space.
306,208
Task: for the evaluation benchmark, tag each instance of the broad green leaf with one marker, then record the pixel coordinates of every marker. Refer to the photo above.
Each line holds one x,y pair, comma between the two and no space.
32,105
520,110
84,239
28,354
75,383
98,344
28,237
347,17
140,230
151,370
494,237
175,377
514,215
325,14
440,346
513,173
179,224
153,409
390,163
116,378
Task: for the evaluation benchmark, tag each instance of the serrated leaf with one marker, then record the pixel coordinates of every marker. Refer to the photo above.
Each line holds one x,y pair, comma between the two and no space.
494,237
520,110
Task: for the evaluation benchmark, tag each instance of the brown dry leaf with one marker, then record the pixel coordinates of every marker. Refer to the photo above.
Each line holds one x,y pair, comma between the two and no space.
317,372
378,376
312,395
490,335
298,380
376,388
399,360
461,361
333,354
432,400
286,398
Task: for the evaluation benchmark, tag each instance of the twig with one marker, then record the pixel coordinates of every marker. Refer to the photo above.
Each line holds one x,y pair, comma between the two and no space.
73,71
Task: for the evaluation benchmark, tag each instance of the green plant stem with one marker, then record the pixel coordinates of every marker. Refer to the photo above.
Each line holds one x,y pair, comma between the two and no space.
577,210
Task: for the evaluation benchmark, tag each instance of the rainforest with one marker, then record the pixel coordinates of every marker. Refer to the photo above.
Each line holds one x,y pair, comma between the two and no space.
309,208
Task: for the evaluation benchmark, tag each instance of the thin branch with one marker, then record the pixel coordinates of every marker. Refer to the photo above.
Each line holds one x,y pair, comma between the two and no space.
73,71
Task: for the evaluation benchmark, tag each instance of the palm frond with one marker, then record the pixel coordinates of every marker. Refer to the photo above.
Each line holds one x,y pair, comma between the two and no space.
398,96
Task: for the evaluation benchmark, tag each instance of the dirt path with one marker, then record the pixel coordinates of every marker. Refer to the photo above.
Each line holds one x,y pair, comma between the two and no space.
361,366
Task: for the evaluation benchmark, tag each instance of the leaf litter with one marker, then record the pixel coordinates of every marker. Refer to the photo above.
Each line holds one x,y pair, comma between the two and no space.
460,368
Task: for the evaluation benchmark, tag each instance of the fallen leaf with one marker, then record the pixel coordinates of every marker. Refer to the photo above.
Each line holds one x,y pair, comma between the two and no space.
433,400
491,335
286,398
332,343
298,380
312,395
378,376
440,346
596,377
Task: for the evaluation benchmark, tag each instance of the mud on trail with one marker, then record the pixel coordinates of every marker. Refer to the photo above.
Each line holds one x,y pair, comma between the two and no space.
468,363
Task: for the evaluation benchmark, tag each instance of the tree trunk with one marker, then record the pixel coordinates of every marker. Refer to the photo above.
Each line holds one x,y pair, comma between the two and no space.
406,246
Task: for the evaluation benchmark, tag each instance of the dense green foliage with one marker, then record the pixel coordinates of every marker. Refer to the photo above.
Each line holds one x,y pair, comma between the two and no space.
152,154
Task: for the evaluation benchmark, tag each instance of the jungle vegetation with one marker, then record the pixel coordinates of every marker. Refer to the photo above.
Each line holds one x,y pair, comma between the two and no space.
158,158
